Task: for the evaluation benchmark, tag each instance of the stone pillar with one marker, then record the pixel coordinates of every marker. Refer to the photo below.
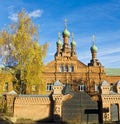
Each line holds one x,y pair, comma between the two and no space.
105,87
106,112
118,87
10,104
57,97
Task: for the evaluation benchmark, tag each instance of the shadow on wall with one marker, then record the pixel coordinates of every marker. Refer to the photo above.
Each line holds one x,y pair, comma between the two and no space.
46,121
53,119
4,121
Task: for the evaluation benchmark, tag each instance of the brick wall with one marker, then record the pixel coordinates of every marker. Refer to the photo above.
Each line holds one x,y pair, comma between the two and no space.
32,107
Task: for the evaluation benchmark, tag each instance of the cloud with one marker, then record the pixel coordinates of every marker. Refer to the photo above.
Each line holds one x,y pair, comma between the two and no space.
13,17
11,8
35,14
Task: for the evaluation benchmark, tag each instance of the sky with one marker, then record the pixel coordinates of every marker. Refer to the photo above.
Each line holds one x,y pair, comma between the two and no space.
85,18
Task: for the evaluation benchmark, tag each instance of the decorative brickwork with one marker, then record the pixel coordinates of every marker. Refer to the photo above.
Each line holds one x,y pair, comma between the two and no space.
110,98
32,107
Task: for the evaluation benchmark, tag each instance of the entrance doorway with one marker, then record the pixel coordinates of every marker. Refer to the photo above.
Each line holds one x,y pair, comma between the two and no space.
114,113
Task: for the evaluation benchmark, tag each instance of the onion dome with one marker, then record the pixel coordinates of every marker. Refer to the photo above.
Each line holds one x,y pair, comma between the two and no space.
59,42
66,33
94,48
73,42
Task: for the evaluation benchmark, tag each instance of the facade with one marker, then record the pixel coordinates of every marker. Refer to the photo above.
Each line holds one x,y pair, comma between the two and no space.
69,70
74,91
88,78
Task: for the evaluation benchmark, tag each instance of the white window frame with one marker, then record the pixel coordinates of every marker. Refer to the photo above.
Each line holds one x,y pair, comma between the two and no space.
71,69
49,86
81,87
96,88
61,68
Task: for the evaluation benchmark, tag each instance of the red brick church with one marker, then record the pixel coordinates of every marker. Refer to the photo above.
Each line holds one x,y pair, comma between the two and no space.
75,92
69,70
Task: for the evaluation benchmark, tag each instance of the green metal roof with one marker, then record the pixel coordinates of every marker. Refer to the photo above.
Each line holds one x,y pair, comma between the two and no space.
73,43
94,48
112,71
66,33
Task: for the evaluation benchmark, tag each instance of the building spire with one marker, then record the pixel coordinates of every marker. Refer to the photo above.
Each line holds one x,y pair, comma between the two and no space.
93,39
93,47
58,35
59,43
72,36
65,21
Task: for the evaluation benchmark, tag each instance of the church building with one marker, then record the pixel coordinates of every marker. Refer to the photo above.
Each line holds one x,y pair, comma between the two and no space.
89,79
69,70
75,92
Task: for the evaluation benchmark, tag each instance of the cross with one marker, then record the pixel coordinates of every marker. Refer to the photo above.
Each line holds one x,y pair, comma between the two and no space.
93,38
65,23
59,35
72,36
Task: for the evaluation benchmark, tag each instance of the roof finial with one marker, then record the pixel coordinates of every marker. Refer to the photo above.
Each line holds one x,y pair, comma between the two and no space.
93,39
58,35
66,23
72,36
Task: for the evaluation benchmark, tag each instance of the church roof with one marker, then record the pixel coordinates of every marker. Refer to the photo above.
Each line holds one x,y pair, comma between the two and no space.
66,33
12,92
57,83
112,71
94,48
118,84
112,92
105,83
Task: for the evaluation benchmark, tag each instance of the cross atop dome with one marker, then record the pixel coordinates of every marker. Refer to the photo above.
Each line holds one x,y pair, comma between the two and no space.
66,21
72,36
58,35
93,38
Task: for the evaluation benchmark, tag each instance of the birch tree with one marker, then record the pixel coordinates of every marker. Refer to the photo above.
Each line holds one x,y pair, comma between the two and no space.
25,55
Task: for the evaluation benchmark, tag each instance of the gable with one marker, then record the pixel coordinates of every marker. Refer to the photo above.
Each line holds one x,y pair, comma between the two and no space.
80,64
50,67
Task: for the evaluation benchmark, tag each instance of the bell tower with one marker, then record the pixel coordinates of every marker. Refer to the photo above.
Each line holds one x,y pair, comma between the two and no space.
66,35
65,51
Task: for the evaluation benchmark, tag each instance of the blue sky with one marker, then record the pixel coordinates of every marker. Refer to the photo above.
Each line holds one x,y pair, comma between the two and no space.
85,18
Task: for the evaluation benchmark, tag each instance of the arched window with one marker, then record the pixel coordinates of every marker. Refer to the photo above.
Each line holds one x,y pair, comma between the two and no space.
61,68
66,68
71,68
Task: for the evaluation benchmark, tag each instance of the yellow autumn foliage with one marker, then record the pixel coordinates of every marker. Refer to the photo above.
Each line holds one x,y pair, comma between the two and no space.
25,49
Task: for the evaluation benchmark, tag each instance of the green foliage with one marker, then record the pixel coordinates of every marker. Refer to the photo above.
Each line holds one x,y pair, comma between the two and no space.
24,50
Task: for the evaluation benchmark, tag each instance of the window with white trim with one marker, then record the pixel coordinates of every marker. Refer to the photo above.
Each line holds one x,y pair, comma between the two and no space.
66,68
71,68
49,87
81,87
61,68
96,88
